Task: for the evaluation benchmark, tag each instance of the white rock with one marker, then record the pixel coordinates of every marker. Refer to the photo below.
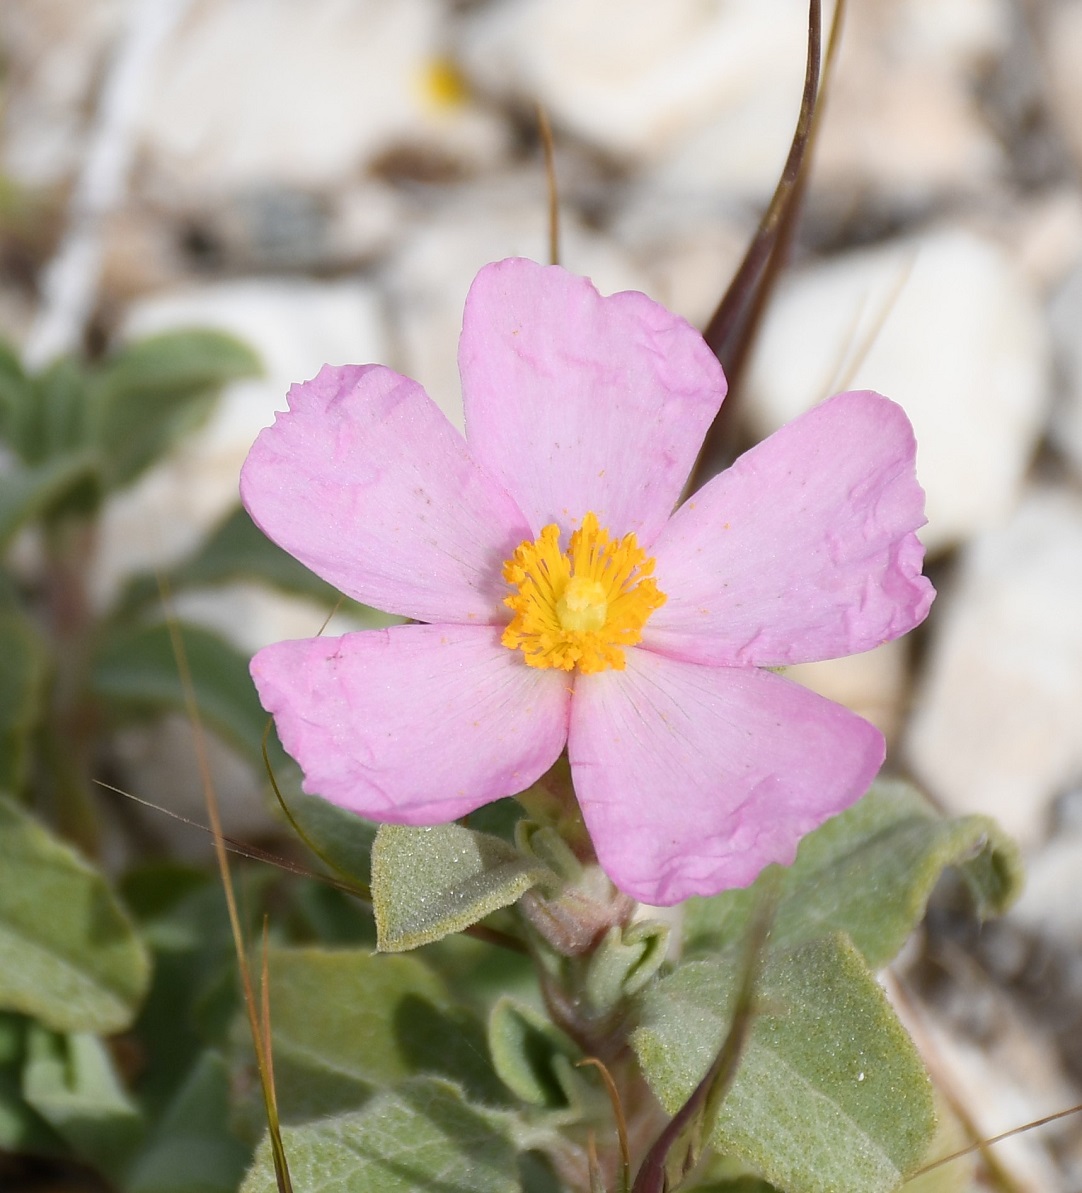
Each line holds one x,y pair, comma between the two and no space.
270,90
1061,26
58,50
1066,322
1051,902
997,726
428,281
688,249
633,81
871,684
296,327
945,325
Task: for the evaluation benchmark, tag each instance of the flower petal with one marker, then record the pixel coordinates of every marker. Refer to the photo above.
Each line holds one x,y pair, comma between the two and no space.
576,402
366,482
804,549
415,724
691,779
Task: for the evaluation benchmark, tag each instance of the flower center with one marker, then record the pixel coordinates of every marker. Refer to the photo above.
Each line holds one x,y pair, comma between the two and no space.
579,607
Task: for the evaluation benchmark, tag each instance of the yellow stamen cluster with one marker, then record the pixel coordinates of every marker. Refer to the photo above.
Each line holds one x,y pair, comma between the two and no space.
579,607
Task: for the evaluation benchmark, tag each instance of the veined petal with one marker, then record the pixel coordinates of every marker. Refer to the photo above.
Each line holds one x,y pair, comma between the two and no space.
576,402
366,482
804,549
416,724
691,779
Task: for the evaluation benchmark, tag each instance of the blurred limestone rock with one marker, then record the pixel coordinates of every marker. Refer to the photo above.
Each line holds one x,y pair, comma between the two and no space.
1065,318
57,51
635,85
296,327
428,280
872,684
997,724
946,325
1060,26
257,92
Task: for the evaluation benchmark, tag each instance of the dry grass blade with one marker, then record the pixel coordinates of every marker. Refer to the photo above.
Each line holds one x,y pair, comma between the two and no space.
256,1022
549,147
618,1114
982,1144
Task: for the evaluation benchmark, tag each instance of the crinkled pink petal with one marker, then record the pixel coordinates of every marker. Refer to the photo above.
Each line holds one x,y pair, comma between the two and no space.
576,402
804,549
691,779
416,724
366,482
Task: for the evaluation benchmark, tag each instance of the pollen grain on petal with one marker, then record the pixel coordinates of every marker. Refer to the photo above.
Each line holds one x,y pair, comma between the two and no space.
580,607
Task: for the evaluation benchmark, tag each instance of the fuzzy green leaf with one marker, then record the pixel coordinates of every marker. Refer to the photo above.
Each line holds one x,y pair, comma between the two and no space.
347,1022
830,1096
135,672
29,491
869,873
430,882
343,839
152,392
191,1147
533,1057
22,694
68,953
22,1129
72,1083
422,1136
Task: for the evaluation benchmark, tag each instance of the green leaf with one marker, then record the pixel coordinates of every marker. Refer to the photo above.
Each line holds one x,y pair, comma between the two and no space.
532,1056
430,882
135,671
22,1129
342,838
423,1136
68,953
347,1022
192,1149
869,873
152,392
830,1096
28,492
237,550
16,397
22,694
71,1082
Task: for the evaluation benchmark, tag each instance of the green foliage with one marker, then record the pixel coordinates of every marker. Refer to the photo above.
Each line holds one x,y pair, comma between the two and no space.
423,1135
31,491
236,550
71,1081
192,1149
532,1056
343,840
347,1023
830,1096
22,1129
143,399
430,882
869,873
134,672
22,695
68,952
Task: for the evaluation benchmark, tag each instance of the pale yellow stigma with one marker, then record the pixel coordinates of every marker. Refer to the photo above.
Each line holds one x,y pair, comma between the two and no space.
579,607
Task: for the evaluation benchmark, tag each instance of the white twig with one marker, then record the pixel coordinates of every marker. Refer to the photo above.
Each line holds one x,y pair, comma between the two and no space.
70,280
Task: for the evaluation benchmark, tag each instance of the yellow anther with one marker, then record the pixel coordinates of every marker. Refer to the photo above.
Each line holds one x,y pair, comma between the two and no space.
581,607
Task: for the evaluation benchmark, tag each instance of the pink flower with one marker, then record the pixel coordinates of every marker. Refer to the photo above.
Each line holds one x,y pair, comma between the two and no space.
639,643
